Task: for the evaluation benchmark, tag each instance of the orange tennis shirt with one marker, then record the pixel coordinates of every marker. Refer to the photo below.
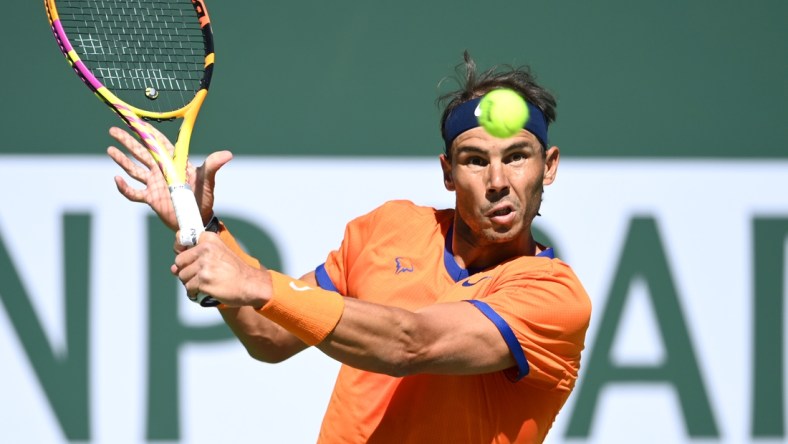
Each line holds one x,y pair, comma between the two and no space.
400,255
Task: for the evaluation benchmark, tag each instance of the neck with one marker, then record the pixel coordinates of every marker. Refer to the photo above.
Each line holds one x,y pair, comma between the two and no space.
472,250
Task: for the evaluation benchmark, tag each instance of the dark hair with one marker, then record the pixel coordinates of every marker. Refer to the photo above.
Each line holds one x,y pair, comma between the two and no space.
473,85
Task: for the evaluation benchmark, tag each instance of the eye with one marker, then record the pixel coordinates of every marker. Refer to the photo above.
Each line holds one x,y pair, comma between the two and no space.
476,161
517,158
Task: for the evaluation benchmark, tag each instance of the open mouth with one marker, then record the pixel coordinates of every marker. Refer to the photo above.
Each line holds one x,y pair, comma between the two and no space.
501,212
502,215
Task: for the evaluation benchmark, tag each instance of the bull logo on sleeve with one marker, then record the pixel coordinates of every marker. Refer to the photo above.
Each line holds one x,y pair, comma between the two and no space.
404,264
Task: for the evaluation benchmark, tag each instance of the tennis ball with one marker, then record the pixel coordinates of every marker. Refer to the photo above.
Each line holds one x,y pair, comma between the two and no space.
151,93
502,113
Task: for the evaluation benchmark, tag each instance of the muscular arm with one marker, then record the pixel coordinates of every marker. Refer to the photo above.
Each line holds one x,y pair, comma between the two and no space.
450,338
263,339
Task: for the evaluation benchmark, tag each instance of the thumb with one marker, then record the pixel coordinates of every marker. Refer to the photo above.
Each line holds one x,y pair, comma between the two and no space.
214,162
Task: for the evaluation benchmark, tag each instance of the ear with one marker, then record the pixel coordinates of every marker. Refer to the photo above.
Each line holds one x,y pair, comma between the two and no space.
448,179
552,158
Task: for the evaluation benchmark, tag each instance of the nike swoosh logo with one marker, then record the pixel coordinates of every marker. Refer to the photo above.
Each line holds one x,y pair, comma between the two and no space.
297,288
468,283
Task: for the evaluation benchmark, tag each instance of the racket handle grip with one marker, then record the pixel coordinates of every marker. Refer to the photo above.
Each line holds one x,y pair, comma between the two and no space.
205,301
187,213
190,225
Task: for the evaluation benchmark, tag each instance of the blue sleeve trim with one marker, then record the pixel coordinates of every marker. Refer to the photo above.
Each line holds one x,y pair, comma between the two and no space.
323,280
548,253
508,336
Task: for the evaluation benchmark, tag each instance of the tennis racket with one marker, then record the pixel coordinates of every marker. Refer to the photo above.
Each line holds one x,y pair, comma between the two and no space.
149,61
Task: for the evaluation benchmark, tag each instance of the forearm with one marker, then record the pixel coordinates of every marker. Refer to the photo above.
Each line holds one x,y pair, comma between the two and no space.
377,338
451,338
263,339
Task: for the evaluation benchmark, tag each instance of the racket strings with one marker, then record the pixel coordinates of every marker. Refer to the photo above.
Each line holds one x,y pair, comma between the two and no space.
151,53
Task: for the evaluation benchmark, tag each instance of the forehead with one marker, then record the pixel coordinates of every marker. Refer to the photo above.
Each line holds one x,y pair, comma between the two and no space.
479,139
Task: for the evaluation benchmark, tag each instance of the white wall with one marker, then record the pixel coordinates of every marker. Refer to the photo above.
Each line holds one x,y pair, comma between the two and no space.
704,210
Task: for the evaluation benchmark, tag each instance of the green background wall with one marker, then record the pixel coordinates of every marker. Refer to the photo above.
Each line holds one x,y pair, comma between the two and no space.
669,78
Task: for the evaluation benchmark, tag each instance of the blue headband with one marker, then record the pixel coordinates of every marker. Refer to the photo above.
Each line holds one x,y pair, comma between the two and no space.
464,117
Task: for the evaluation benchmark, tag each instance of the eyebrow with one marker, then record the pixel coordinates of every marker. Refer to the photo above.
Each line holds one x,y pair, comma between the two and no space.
527,145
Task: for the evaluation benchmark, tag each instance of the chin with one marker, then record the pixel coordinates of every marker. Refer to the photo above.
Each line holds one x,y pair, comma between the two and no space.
501,235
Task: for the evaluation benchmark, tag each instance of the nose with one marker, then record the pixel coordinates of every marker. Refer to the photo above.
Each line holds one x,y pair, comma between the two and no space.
497,182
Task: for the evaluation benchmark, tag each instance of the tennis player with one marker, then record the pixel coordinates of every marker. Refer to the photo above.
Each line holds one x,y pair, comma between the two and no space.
452,325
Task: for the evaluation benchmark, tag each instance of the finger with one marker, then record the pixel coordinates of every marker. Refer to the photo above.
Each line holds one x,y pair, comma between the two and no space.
128,191
187,256
207,238
130,167
162,139
188,278
177,247
139,151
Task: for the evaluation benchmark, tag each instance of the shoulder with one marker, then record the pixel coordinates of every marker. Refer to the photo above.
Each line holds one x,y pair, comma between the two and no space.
542,282
548,272
406,206
405,212
537,267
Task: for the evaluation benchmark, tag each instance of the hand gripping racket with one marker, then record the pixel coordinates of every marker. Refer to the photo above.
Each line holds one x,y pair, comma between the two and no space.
148,60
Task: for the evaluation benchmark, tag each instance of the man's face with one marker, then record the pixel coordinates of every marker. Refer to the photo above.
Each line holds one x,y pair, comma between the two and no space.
498,184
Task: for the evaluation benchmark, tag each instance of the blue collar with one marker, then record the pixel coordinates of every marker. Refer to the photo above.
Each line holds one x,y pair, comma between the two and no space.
458,273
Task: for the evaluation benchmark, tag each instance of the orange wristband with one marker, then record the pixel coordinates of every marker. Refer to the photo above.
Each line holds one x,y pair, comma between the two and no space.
310,313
